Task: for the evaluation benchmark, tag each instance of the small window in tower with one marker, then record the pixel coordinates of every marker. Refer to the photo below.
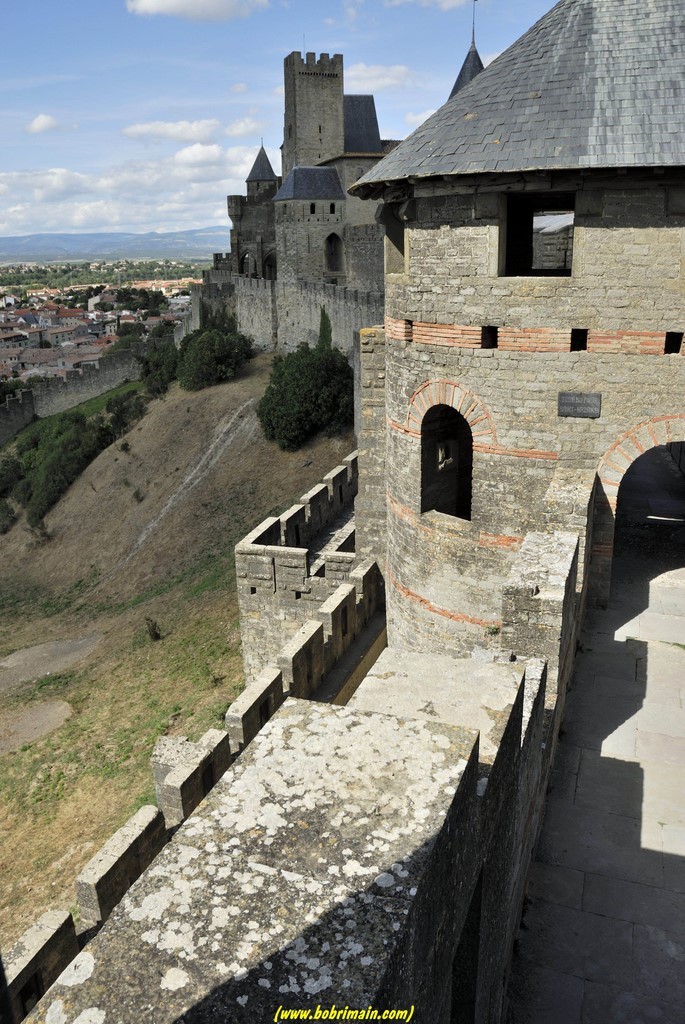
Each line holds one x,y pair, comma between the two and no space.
674,343
579,339
319,129
537,239
489,337
332,207
312,207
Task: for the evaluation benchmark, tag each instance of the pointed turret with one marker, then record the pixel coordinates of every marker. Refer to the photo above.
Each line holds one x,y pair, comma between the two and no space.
471,67
262,169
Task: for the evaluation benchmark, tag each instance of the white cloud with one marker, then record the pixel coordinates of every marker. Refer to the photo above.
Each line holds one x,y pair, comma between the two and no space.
242,127
198,155
443,5
375,77
178,131
239,87
414,120
187,189
42,123
197,10
278,91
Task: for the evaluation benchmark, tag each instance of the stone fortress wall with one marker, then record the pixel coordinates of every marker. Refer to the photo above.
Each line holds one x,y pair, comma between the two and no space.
327,655
58,395
281,316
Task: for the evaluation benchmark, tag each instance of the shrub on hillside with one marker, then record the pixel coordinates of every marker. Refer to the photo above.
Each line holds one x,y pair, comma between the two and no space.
7,516
211,357
52,453
158,367
309,390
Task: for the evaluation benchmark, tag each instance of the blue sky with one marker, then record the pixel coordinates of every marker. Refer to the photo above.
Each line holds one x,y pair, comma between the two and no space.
142,115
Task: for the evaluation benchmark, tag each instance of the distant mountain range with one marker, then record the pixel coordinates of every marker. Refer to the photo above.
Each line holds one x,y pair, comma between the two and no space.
107,245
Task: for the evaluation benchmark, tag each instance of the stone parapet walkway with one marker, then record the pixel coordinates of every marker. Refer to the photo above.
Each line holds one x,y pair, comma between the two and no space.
602,939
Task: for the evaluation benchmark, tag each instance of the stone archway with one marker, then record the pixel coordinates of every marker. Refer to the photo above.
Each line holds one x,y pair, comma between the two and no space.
448,392
661,430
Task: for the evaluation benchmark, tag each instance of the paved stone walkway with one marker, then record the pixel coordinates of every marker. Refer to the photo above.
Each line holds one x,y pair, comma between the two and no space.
603,934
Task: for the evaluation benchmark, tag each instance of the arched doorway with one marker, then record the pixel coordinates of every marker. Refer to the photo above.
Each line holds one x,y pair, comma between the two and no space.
446,462
269,267
334,254
248,265
659,433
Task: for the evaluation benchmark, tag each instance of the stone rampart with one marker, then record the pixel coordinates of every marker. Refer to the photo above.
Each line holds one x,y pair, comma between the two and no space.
185,772
280,316
417,912
291,564
110,873
37,960
17,412
60,394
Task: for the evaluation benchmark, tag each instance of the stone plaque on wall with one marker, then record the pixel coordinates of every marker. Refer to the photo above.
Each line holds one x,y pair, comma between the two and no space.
575,403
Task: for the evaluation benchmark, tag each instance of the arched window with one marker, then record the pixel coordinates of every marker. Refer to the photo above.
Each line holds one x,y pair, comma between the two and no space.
446,462
334,254
248,265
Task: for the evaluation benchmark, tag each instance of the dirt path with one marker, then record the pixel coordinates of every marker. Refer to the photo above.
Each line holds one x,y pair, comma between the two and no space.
24,725
43,659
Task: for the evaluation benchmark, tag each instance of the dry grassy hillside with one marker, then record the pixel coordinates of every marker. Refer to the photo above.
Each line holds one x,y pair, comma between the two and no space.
146,532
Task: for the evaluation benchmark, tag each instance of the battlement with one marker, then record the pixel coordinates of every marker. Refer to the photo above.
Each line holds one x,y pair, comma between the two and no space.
325,64
293,562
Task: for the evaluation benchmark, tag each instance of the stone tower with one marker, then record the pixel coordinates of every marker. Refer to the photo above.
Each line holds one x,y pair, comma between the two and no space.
314,128
533,343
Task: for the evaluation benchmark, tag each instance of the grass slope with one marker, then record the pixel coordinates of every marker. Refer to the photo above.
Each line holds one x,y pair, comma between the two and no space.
144,532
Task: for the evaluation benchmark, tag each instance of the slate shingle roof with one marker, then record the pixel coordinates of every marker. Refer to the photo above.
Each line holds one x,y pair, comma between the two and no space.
261,168
361,125
594,84
311,183
471,67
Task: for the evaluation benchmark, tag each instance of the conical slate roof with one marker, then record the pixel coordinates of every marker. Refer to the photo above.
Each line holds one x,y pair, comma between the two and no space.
261,169
594,84
471,67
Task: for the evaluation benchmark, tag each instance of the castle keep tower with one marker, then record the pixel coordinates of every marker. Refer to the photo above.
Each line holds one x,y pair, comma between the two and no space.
535,310
313,130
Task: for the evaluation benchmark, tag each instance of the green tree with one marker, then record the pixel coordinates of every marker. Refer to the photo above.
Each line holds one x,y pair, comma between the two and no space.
158,366
325,330
211,357
309,390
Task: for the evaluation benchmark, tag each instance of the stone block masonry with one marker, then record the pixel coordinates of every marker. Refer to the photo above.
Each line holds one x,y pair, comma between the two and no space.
184,772
289,565
59,395
280,316
111,872
37,960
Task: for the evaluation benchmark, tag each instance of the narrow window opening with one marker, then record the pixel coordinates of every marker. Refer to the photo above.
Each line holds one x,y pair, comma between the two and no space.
298,595
334,254
674,343
446,462
539,235
489,337
332,207
253,590
312,207
579,339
